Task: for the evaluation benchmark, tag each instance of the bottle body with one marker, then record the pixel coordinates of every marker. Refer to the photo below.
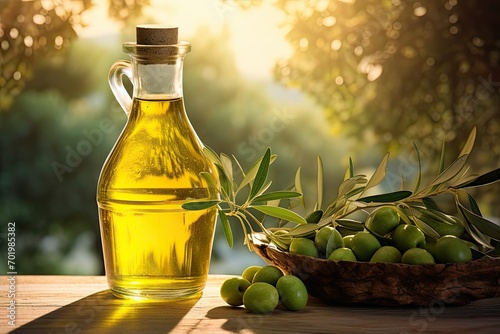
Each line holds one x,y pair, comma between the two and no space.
152,247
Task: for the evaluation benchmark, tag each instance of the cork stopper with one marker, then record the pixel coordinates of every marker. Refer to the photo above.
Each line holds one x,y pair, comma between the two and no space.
156,35
156,44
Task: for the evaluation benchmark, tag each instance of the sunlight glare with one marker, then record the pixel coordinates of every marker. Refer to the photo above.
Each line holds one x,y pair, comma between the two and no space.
256,37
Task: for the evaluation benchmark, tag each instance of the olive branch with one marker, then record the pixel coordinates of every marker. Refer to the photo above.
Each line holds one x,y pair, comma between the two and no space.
414,207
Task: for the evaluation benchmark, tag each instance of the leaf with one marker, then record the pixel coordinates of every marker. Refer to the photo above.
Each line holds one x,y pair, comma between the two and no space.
226,227
199,205
451,171
210,180
379,173
281,240
441,159
354,192
430,203
464,181
298,187
276,195
314,217
487,227
469,143
263,189
211,155
346,186
473,205
279,212
426,228
250,176
460,178
440,167
402,214
320,183
240,168
351,168
488,178
387,198
436,215
225,184
227,165
350,223
302,230
419,175
479,237
261,176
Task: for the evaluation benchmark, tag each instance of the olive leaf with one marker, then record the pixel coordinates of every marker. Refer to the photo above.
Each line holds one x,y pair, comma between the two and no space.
473,205
262,190
319,180
303,230
441,158
227,165
350,223
314,217
379,173
279,212
298,187
349,184
419,174
487,227
276,195
226,227
485,179
430,203
387,198
469,143
351,168
250,176
451,171
225,183
261,176
210,180
199,205
425,228
211,155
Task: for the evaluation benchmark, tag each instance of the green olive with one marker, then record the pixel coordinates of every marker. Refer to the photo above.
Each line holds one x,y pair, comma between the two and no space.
232,290
267,274
249,272
303,246
364,245
292,292
261,298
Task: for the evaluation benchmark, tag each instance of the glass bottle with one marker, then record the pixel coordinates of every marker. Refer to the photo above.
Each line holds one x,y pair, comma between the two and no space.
154,249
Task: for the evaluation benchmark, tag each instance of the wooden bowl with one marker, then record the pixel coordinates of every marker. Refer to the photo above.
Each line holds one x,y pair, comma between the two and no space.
387,284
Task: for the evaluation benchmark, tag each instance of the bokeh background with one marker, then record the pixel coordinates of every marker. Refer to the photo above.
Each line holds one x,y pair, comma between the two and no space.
334,78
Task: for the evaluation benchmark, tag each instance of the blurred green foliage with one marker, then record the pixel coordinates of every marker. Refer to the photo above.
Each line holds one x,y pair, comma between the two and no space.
55,94
429,68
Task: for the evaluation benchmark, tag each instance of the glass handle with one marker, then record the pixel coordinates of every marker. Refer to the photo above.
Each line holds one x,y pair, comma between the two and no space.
115,78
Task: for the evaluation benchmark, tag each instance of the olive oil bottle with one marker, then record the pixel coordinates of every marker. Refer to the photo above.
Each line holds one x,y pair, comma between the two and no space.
154,249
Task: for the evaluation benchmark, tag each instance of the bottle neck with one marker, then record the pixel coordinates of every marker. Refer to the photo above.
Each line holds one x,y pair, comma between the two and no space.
158,81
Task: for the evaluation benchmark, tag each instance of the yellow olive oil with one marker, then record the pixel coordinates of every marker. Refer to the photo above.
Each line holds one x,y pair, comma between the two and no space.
152,247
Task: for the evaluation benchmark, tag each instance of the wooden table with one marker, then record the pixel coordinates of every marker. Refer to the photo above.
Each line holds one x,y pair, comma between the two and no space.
83,304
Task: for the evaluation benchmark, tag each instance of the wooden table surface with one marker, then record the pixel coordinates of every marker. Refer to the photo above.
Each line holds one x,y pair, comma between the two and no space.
83,304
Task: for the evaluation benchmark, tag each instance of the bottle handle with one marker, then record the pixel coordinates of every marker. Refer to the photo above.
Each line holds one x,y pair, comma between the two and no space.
115,78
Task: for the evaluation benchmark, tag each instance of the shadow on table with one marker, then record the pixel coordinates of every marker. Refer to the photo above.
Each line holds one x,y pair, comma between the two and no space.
101,312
